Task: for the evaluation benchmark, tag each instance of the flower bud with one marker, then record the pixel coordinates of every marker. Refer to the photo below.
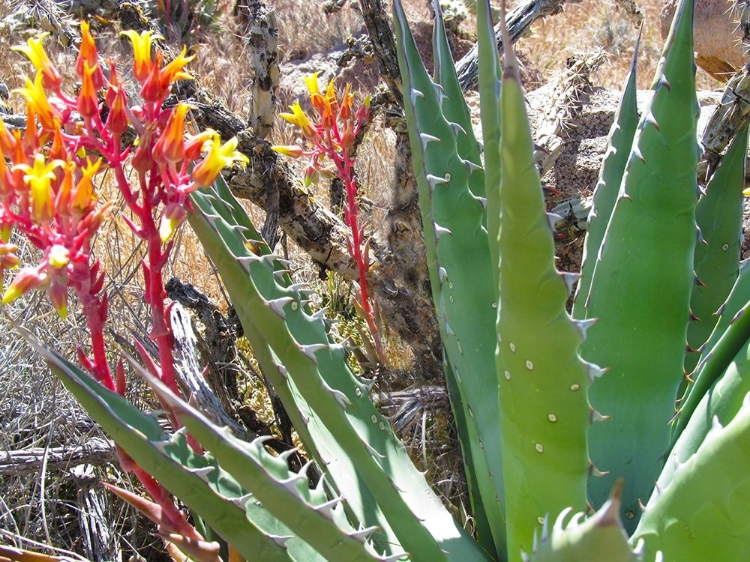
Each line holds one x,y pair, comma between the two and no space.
174,215
25,280
293,151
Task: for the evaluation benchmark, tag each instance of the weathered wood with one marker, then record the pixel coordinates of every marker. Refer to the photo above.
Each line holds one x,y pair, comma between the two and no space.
190,374
97,534
96,451
519,22
262,38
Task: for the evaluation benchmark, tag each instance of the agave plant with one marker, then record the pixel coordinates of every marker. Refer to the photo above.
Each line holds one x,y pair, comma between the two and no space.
557,412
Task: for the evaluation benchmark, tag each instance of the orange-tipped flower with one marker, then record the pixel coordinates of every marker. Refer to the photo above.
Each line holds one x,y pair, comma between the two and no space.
299,118
171,145
35,52
87,55
156,85
141,52
330,107
7,140
65,189
116,100
7,185
174,70
37,101
39,179
219,157
84,194
88,105
143,158
347,102
58,150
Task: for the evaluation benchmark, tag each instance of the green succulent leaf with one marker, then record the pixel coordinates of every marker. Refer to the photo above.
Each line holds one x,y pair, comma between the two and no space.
701,513
642,283
354,443
719,217
307,513
608,186
730,335
593,539
458,258
543,381
197,480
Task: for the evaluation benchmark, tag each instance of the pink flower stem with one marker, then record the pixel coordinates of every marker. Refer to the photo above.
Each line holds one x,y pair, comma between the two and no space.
344,167
95,310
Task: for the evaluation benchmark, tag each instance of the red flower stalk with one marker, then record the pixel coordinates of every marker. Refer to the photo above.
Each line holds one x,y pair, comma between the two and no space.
332,137
48,194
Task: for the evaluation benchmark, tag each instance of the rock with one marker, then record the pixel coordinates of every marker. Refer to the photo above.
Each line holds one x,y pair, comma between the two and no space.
718,39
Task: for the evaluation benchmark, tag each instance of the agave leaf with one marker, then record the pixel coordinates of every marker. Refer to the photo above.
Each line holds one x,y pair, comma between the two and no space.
355,444
702,513
457,114
460,268
198,481
454,112
284,494
489,99
218,206
643,279
726,342
719,217
607,188
593,539
722,401
543,382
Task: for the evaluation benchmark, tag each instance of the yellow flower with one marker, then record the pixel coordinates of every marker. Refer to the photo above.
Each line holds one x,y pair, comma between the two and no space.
311,80
174,215
37,101
218,157
174,70
39,179
84,194
38,57
141,52
25,280
59,256
292,151
299,118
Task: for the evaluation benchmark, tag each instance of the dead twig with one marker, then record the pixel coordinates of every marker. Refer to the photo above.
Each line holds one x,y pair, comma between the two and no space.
96,451
519,22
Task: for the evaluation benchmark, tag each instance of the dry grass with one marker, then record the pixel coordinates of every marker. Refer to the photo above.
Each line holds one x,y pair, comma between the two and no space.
604,24
35,411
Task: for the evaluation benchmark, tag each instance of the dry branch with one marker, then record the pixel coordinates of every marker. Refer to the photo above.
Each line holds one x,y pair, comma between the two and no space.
519,22
96,451
261,36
